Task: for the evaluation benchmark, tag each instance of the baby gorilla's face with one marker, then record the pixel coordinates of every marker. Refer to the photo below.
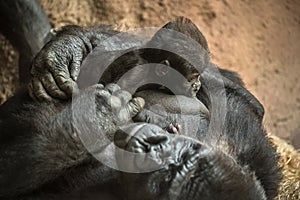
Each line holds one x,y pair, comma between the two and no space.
176,72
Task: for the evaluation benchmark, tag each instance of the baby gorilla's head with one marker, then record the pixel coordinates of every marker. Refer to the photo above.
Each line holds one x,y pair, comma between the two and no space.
149,68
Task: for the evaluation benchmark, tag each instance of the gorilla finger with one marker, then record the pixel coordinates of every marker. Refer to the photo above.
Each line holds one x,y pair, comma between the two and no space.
39,92
115,103
30,91
102,96
66,84
96,87
75,68
124,96
112,88
52,88
133,107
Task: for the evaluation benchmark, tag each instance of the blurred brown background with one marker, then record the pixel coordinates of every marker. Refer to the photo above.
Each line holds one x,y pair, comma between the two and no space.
258,39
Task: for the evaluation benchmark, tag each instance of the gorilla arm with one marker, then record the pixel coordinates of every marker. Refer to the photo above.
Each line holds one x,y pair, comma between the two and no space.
34,139
39,140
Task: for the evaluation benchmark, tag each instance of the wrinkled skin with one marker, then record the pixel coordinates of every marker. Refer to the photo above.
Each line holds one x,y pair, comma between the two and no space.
56,67
181,158
197,160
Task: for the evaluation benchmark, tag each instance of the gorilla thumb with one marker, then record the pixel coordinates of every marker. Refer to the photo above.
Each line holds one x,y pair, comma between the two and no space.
133,107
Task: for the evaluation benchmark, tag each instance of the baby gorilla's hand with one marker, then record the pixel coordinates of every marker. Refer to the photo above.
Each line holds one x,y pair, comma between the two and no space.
56,67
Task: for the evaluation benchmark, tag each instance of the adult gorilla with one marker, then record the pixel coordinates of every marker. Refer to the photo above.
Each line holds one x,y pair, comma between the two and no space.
209,147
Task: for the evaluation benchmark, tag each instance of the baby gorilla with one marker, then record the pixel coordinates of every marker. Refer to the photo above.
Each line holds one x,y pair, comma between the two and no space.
221,151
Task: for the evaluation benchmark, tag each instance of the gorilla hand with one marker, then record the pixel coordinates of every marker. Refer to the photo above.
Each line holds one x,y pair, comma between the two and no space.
48,139
98,111
56,67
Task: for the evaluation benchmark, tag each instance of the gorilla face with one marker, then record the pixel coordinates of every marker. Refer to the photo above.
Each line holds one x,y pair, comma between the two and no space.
188,169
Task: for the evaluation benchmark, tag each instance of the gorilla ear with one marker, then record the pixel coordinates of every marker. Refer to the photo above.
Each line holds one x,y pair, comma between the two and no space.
187,27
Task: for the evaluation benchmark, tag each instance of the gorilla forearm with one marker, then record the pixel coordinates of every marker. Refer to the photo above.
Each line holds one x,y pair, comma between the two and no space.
40,141
37,148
